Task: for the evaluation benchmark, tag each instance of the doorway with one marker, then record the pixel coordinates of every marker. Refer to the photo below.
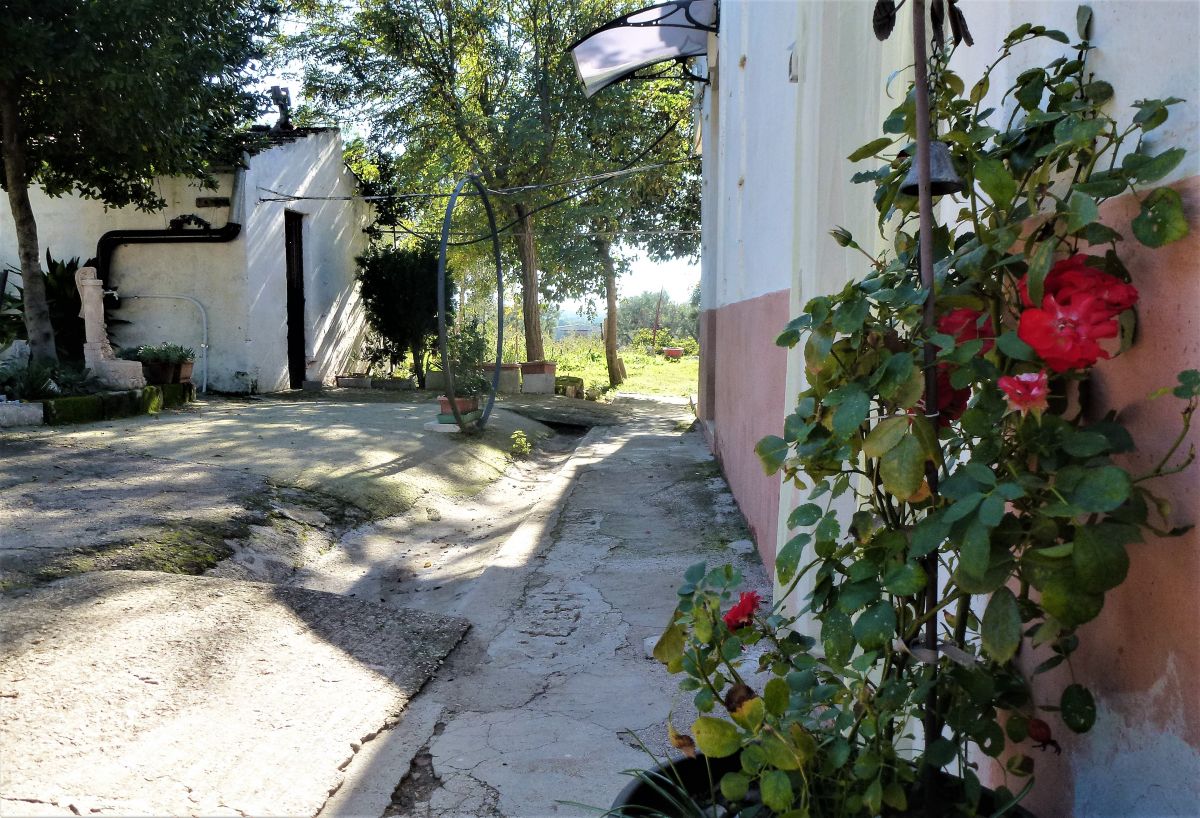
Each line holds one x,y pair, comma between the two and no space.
293,240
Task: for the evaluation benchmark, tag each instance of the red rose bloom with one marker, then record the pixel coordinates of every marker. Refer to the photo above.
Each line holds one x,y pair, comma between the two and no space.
741,614
963,325
1071,279
951,402
1065,335
1026,392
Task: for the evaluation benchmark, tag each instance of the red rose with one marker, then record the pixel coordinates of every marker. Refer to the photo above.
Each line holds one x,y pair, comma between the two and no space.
1026,392
742,614
951,402
1065,335
963,325
1071,278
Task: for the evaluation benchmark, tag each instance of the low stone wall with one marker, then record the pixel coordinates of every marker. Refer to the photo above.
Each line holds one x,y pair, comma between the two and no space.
148,400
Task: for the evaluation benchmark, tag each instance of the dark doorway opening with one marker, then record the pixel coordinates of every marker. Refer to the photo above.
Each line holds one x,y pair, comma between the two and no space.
293,232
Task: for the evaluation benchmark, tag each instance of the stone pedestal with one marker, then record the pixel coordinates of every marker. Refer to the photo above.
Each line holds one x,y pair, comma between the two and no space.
538,384
97,352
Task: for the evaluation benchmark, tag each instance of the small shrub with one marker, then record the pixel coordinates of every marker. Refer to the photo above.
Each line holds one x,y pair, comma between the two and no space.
38,381
521,446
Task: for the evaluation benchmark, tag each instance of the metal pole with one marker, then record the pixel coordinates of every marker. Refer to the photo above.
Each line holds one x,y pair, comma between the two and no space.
925,259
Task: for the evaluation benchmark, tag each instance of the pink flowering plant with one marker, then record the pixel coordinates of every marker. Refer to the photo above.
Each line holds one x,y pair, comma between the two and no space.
1001,511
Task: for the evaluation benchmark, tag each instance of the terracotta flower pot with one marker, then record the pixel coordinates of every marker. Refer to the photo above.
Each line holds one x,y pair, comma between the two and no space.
158,373
465,405
185,371
672,352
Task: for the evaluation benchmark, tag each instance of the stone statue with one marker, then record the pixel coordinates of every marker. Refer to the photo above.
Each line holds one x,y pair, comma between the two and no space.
97,351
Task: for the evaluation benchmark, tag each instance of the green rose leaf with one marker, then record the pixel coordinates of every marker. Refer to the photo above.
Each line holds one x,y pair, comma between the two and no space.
1014,347
1001,627
996,181
803,515
1081,211
976,550
669,647
1068,603
875,626
1161,220
750,714
776,790
870,149
941,752
776,695
1083,22
734,786
853,406
788,558
1153,169
1102,489
836,636
905,580
927,535
772,451
885,436
1098,92
780,753
716,737
1039,265
1100,559
1078,708
902,468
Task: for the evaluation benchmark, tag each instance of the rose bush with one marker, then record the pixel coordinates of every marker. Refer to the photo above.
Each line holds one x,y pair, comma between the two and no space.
989,511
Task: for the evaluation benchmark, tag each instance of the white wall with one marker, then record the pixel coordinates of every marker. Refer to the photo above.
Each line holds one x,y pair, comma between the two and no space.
333,237
242,284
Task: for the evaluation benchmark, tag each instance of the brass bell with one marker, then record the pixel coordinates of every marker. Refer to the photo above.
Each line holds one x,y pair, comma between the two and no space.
942,177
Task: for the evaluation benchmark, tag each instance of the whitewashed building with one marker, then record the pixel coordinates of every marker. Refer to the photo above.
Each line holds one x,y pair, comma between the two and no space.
270,280
793,88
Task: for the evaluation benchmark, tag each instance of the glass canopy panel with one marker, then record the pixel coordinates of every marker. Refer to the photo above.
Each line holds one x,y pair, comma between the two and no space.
669,31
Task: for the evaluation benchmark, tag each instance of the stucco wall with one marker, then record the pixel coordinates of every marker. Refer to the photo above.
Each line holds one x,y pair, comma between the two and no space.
332,238
240,283
1141,656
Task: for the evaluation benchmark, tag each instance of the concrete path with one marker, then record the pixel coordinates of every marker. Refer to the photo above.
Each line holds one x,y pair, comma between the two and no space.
139,693
533,709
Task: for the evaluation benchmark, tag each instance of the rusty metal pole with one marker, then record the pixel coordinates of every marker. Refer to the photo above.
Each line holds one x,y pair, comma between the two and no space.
925,259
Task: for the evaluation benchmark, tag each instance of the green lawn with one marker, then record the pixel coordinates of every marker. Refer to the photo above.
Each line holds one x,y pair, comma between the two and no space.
648,374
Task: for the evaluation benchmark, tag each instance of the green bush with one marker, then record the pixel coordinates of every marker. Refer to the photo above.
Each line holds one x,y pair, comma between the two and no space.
37,381
163,353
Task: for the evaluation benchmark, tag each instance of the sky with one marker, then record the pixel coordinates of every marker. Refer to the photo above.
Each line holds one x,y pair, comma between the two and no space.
677,278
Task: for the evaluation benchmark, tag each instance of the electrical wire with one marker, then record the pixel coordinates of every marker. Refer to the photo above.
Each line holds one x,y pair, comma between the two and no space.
596,181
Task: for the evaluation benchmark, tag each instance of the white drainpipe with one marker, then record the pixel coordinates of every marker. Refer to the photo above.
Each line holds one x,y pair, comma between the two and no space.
204,322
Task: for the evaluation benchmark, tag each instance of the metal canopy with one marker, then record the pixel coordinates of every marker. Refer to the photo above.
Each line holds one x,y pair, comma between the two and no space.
672,31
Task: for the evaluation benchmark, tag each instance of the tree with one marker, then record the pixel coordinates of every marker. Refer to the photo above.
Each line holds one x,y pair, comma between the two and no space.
101,96
399,293
481,86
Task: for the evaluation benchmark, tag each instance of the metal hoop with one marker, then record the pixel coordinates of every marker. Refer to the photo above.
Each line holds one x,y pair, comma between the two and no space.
443,345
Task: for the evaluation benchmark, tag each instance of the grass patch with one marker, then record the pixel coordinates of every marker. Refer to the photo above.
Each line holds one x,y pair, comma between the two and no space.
647,374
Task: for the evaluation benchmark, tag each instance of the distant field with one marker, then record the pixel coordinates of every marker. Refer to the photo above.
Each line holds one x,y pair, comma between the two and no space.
648,374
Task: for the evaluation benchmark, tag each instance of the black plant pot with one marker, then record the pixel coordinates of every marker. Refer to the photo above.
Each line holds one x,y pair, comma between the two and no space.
700,776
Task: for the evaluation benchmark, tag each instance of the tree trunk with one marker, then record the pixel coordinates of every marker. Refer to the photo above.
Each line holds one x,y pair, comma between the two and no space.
604,248
33,280
531,309
418,356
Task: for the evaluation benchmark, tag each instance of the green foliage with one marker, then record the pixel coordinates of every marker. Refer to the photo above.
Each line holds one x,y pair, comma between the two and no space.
62,297
1017,514
647,374
163,353
173,80
520,444
37,381
676,322
470,349
399,292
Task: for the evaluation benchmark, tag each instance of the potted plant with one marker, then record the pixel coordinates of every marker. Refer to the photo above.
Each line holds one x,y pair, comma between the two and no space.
990,513
163,363
468,349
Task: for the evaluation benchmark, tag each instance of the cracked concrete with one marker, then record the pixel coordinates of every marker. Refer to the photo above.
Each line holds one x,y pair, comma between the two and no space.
548,696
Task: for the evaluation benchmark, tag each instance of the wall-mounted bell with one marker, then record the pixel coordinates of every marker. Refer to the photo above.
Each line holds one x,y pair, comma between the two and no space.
942,177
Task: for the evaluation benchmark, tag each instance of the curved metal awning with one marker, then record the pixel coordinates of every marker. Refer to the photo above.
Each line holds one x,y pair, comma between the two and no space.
673,31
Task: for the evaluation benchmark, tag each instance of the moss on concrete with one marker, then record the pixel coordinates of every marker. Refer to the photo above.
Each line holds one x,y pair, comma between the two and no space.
151,400
83,409
191,549
111,405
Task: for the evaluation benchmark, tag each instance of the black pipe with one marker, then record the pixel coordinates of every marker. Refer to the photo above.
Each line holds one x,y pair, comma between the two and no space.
113,239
